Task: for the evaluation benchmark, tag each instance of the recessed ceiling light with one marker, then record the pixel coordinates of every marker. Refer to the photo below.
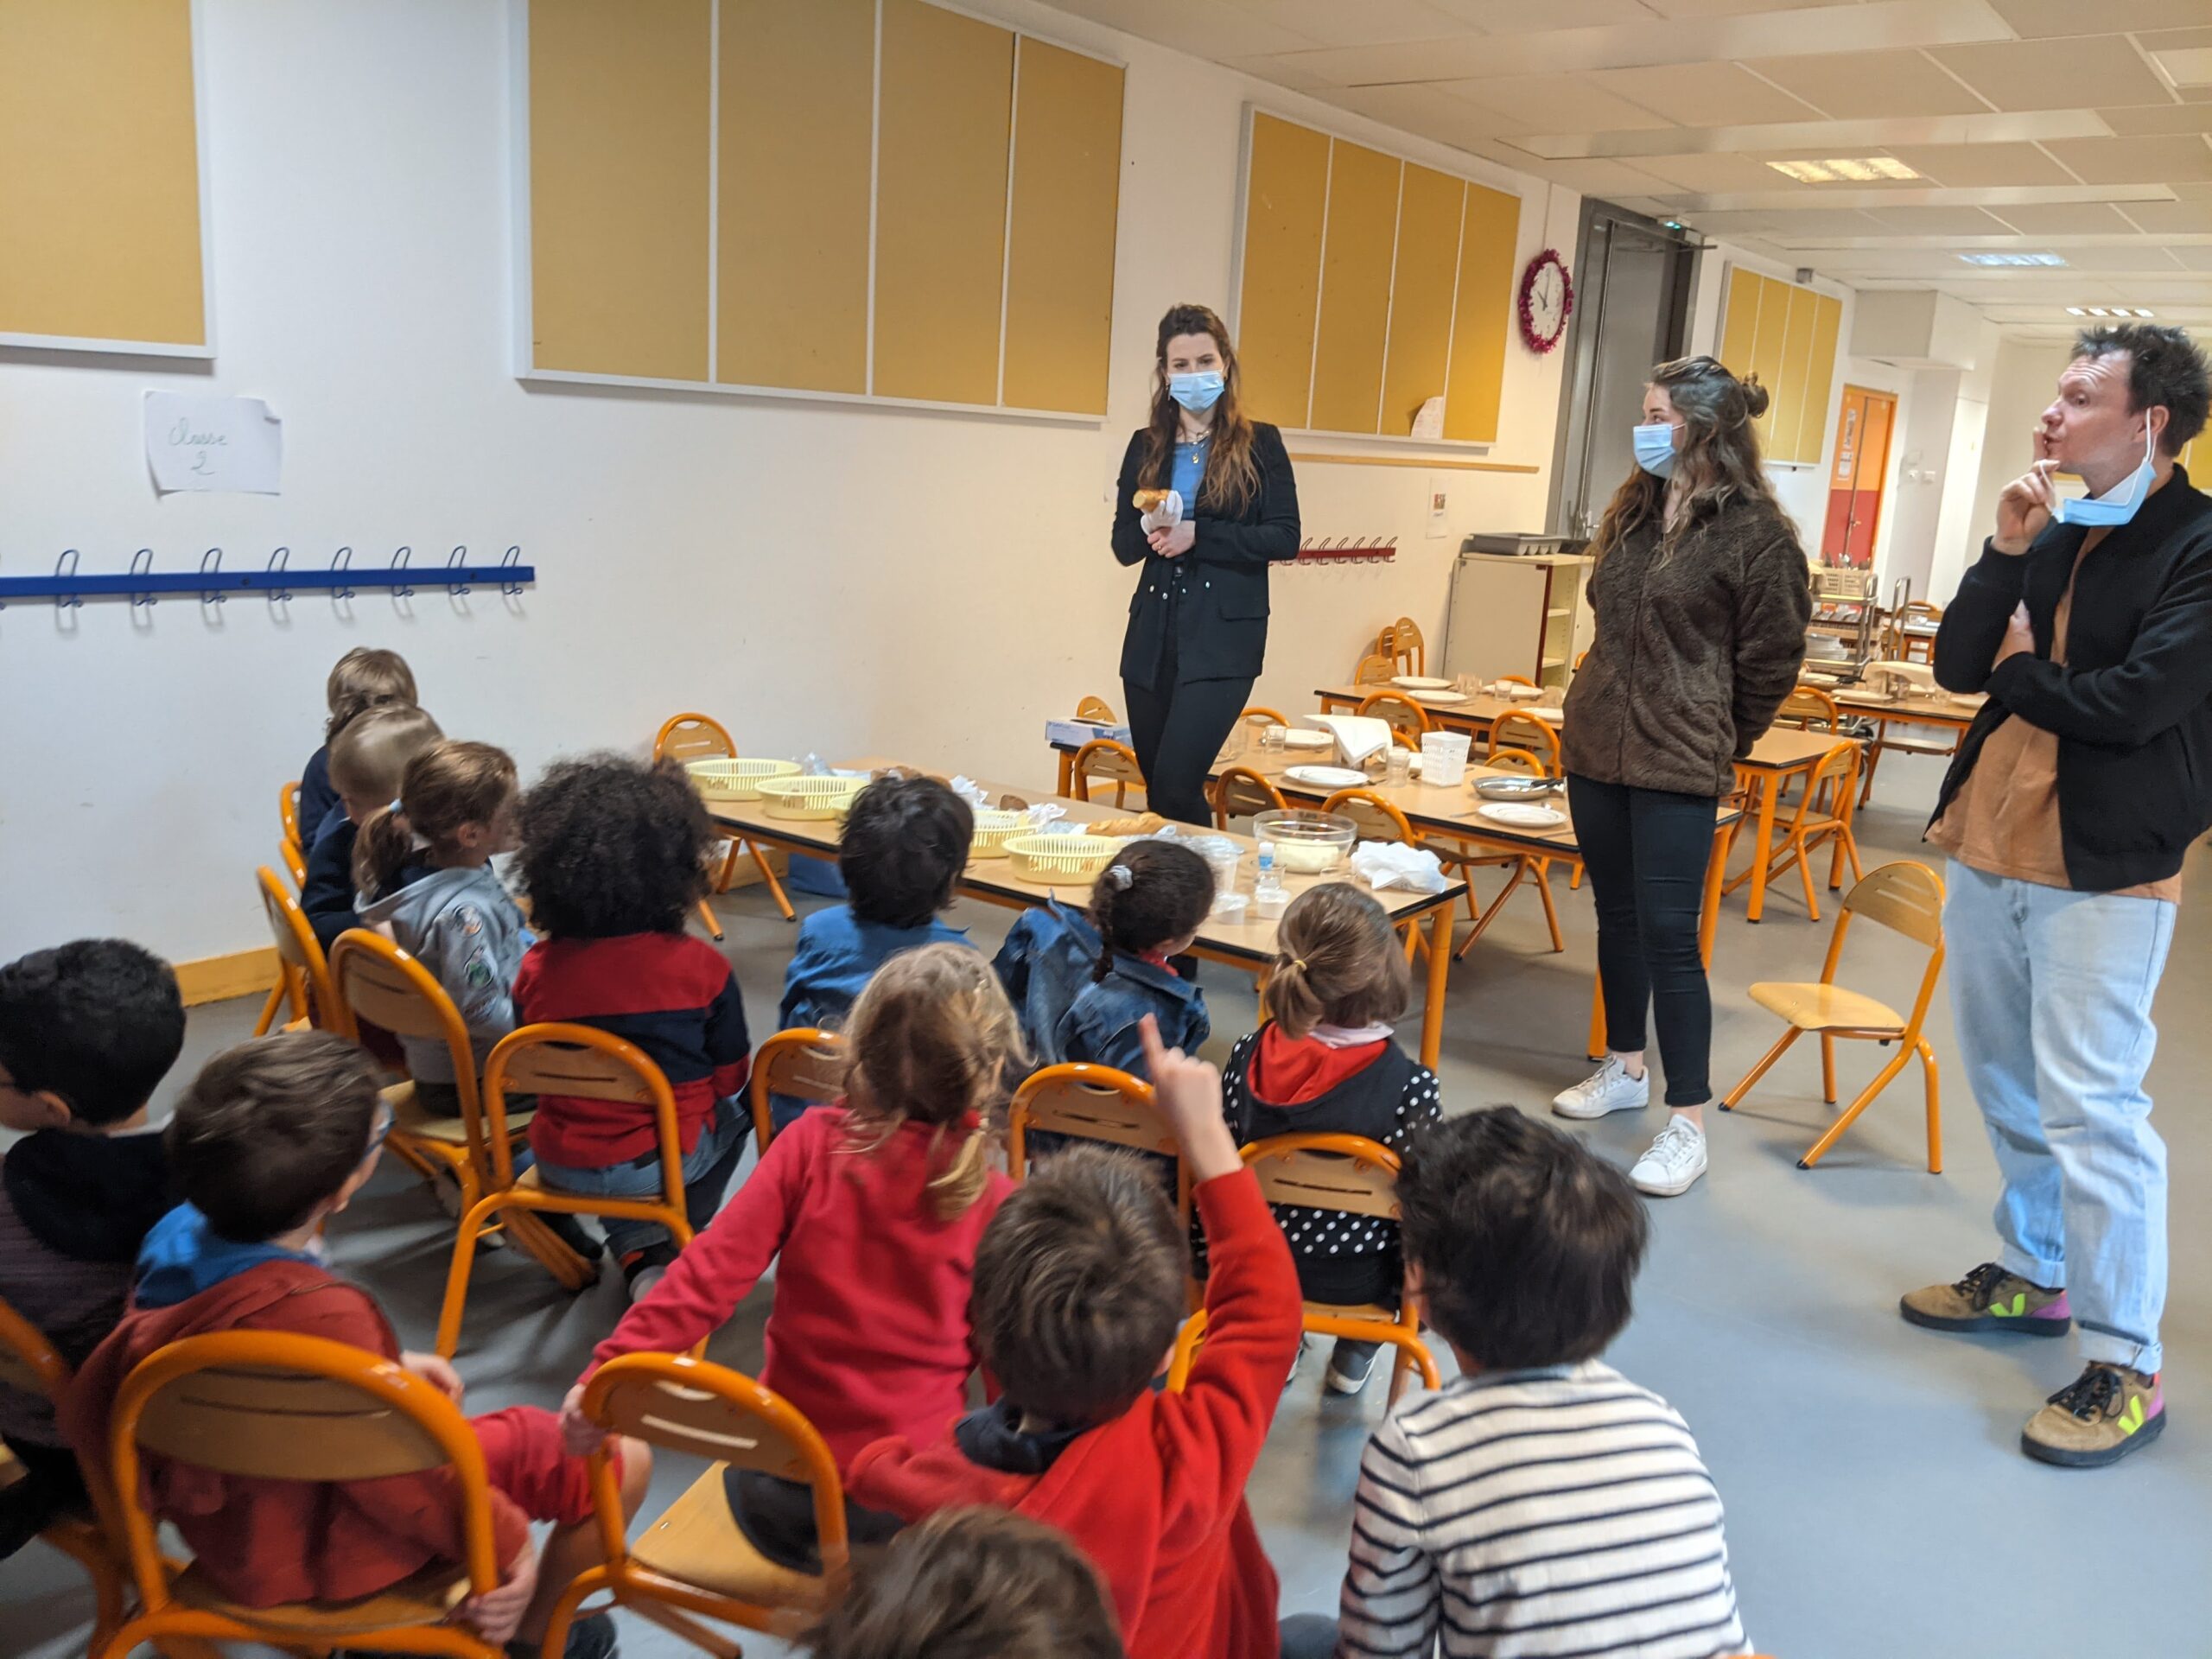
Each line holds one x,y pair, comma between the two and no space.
2140,312
2097,311
2013,258
1864,170
2075,311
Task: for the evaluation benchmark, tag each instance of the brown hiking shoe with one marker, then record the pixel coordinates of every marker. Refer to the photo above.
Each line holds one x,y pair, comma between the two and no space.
1989,1298
2099,1417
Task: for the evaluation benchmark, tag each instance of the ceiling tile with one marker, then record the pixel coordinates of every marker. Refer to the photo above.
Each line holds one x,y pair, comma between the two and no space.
1710,175
1281,71
2054,74
1850,85
1796,224
1371,22
1427,111
1612,179
1938,221
2194,258
1705,94
2033,19
2172,40
1729,7
1205,29
1970,165
1548,103
2171,218
2135,161
2159,118
1520,17
1447,56
2065,218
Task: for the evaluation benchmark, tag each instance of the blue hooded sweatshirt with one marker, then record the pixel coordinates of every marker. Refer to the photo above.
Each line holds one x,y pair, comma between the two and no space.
184,1256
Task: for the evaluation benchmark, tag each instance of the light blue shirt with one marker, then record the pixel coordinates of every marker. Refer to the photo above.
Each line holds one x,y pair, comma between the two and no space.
1189,472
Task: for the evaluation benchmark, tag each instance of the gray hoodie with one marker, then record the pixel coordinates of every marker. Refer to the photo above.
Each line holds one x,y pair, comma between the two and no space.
464,928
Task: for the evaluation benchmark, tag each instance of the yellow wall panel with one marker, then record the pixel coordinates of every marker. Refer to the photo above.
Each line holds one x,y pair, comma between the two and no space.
940,223
1355,289
1767,349
1820,376
798,93
1740,321
1422,286
1788,418
1067,165
619,207
1284,191
100,197
1482,317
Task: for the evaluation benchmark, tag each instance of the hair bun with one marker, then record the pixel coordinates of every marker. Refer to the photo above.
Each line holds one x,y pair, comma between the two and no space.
1755,397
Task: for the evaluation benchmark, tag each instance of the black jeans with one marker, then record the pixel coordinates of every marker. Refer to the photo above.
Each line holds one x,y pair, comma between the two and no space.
1646,850
1177,730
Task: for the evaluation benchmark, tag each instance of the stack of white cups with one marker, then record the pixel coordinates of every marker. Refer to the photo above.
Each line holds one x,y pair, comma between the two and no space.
1444,759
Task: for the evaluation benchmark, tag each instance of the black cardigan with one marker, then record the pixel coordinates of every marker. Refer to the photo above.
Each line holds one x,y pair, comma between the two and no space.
2132,706
1221,610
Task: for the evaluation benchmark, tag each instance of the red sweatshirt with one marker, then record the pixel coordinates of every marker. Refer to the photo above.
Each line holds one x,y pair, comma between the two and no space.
1156,1497
869,1334
264,1542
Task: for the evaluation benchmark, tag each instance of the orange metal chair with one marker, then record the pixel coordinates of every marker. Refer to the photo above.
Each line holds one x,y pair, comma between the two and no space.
1808,706
1095,709
701,737
1907,897
805,1063
1376,668
1375,818
240,1403
304,987
1239,792
288,819
555,1058
1406,717
1109,762
1407,648
1518,731
1355,1176
1515,679
1519,867
375,980
1259,713
1822,818
692,1558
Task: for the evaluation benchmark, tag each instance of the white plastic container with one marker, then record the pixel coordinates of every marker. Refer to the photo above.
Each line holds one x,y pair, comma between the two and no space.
1229,908
1444,759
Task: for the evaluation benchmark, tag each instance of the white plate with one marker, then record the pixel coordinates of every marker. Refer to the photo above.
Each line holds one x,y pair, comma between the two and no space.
1422,682
1515,692
1299,737
1326,776
1521,815
1550,716
1440,697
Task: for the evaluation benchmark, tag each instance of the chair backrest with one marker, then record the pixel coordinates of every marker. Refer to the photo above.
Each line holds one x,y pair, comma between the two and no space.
1515,679
295,866
1831,788
1239,792
1406,646
1906,897
1375,669
580,1062
1095,709
276,1406
1109,762
1519,731
308,988
1401,710
693,737
805,1063
1519,761
378,981
288,816
1260,714
1345,1172
1375,818
1088,1103
1807,705
28,1362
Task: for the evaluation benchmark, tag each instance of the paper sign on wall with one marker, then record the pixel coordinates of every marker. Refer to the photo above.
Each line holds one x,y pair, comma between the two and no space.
213,444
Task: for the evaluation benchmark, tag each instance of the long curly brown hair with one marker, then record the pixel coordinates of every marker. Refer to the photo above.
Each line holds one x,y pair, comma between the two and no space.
1718,463
1232,477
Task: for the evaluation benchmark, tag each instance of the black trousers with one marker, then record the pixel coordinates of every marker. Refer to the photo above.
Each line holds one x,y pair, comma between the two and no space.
1646,850
1177,730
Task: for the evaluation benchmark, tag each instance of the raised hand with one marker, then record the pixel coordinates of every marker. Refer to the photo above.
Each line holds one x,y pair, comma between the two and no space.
2026,505
1188,1093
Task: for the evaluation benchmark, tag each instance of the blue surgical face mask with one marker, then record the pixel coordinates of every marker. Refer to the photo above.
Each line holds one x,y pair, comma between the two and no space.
1196,392
2119,504
1655,449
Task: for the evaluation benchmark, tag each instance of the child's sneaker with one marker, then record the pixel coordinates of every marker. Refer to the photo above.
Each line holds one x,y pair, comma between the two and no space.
1989,1298
1608,1089
1350,1366
643,1269
2099,1418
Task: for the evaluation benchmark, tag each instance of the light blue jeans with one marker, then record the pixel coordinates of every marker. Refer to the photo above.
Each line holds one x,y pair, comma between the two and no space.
707,1169
2051,992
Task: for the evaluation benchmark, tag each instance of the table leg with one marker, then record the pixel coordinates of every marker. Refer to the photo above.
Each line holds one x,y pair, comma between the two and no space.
1067,775
1439,967
1769,786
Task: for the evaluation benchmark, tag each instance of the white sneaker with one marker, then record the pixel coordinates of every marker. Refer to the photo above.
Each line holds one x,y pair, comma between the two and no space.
1608,1089
1674,1162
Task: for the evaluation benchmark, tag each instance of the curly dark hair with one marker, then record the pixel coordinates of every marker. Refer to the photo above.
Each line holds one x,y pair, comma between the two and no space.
97,1022
2165,367
612,846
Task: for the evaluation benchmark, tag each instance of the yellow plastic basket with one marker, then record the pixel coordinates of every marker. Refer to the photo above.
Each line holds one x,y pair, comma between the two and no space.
1060,861
809,798
993,828
736,780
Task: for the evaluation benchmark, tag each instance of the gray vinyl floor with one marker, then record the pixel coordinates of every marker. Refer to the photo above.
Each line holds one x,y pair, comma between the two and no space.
1876,1501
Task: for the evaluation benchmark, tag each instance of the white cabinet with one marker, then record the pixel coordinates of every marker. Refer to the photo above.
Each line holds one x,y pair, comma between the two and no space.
1518,613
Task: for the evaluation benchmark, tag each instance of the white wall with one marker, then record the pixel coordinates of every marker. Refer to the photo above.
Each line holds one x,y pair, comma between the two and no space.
2023,380
823,577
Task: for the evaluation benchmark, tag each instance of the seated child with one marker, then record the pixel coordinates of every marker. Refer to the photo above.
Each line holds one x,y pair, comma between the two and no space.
871,1211
1327,1063
86,1030
613,858
273,1138
905,842
367,761
1543,1497
1050,955
971,1584
363,679
1146,906
1078,1296
425,865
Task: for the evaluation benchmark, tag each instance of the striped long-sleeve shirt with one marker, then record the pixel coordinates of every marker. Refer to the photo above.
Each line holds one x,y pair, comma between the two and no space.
1558,1513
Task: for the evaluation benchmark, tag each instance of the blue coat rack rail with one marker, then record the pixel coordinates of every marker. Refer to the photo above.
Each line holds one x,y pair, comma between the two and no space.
276,580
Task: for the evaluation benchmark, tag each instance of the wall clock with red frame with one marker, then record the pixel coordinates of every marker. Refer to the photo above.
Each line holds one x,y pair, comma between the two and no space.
1547,301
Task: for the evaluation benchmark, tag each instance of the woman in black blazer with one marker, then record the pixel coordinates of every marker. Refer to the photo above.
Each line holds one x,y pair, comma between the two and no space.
1198,621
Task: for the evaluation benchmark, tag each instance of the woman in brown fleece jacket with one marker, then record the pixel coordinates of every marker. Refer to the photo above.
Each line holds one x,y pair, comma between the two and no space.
1702,602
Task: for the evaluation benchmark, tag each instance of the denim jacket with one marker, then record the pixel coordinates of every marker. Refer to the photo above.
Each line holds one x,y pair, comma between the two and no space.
837,955
1044,963
1100,1025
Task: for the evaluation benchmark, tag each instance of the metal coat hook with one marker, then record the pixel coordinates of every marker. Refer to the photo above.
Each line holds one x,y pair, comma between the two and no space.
278,593
455,560
400,588
142,564
66,567
341,561
211,564
511,560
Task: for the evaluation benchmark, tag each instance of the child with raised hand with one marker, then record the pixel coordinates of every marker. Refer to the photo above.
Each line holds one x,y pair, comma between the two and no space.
872,1210
272,1139
1146,905
1328,1062
368,763
906,841
364,679
1077,1299
87,1030
1542,1504
613,858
